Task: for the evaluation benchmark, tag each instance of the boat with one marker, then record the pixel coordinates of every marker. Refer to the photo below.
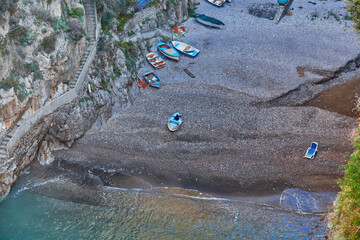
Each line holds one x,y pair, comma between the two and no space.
155,60
185,48
174,122
152,79
208,21
168,51
217,3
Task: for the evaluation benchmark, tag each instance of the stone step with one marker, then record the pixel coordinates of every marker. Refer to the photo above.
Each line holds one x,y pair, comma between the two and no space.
3,156
7,139
3,151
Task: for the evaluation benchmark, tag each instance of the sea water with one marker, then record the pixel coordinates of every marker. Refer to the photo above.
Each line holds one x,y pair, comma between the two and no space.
31,211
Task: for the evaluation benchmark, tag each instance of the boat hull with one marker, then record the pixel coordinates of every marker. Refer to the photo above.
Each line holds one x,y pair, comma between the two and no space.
181,47
209,24
168,51
174,124
218,3
152,79
173,128
155,60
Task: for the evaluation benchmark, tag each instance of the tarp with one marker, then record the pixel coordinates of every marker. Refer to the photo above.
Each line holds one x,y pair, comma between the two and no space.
141,4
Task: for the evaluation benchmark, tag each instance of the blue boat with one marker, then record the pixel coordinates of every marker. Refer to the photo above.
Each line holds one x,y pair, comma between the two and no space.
141,4
168,51
152,79
175,122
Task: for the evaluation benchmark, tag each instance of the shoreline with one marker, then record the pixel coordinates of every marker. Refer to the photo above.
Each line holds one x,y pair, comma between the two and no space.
231,141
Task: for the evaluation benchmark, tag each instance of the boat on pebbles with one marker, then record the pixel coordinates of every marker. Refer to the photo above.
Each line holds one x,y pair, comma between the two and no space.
168,51
152,79
217,3
155,60
209,21
174,122
185,48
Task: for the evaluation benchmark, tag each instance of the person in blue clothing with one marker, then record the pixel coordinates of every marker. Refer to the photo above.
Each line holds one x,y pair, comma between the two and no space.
282,2
177,117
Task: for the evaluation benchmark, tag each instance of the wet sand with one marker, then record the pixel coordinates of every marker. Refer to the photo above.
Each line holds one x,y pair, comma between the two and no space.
341,99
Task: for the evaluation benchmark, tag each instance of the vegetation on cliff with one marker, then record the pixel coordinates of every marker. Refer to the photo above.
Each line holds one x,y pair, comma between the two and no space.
346,216
353,6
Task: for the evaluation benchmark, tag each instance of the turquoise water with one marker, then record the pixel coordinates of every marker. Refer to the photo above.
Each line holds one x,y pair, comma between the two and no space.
134,214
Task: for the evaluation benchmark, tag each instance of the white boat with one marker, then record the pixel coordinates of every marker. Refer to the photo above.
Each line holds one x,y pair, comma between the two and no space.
217,3
185,48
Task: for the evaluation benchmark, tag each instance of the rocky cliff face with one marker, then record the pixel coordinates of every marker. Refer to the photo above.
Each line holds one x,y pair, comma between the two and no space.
41,45
46,70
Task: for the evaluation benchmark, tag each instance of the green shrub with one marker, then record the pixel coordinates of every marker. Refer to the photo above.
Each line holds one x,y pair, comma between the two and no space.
3,45
13,81
122,20
346,217
129,50
154,3
353,6
59,24
18,33
76,12
8,5
48,44
107,21
33,68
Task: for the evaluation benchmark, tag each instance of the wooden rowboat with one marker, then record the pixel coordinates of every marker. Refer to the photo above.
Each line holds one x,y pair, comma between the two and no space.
168,51
217,3
208,21
185,48
174,122
152,79
155,60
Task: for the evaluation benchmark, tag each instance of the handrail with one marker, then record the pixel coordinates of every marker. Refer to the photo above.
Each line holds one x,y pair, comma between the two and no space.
56,103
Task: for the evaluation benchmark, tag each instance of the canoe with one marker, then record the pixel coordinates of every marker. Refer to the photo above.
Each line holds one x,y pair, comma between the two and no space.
185,48
217,3
168,51
208,21
152,79
155,60
174,122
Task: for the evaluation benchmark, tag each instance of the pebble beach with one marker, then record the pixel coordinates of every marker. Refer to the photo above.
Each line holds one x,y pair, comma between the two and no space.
232,141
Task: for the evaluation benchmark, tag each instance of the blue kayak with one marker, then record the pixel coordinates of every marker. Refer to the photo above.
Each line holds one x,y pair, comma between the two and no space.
175,122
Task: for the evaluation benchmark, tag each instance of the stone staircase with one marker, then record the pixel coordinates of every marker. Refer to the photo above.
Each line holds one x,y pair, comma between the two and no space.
76,74
91,22
90,16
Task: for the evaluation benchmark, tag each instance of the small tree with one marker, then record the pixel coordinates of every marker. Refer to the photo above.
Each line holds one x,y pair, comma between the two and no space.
353,6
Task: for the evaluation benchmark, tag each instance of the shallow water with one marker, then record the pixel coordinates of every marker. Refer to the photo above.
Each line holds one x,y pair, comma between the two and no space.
135,214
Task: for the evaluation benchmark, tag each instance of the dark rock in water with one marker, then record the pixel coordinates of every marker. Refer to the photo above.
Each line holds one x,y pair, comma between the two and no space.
267,10
306,201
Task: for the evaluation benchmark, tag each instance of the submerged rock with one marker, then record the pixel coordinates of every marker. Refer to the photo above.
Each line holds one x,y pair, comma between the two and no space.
304,201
